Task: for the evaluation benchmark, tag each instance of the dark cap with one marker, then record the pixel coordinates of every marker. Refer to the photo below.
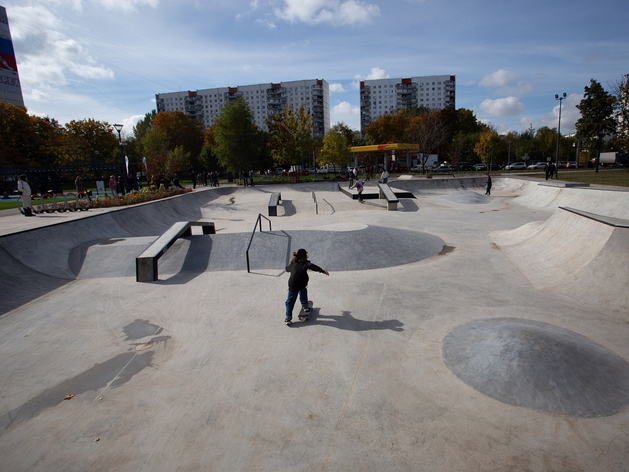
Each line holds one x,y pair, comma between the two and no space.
302,252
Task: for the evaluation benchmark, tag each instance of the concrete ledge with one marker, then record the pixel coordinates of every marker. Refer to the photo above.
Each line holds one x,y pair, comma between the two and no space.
608,220
386,192
146,263
273,202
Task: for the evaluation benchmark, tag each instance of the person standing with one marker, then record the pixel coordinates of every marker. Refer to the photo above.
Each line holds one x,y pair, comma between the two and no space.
298,283
547,169
25,190
112,185
488,191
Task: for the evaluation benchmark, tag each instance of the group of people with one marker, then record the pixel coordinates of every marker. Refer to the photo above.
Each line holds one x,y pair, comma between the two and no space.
551,169
247,178
359,185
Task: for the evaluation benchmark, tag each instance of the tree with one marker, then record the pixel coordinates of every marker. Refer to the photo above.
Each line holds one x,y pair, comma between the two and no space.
388,129
236,136
621,93
181,131
17,136
87,140
486,146
335,146
155,148
597,117
428,131
290,134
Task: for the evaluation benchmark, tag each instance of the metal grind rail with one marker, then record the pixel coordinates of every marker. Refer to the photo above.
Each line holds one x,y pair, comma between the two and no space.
258,221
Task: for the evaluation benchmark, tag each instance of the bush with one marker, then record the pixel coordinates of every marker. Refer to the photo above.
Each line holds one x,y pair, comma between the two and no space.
147,194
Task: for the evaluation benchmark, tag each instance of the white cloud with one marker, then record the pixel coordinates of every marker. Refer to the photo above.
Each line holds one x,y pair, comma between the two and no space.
128,5
346,113
377,73
499,78
569,114
345,109
47,54
335,12
509,106
374,74
336,88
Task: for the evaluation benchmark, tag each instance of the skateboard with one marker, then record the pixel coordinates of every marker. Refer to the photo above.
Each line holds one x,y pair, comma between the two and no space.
303,314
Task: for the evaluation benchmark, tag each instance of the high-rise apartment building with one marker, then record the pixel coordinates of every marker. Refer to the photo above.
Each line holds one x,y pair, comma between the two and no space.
263,100
10,88
388,96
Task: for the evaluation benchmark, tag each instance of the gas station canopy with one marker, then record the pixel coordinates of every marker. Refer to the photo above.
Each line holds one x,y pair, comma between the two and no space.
386,147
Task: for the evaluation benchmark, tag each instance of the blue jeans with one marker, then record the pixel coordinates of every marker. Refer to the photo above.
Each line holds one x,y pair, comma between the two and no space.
292,298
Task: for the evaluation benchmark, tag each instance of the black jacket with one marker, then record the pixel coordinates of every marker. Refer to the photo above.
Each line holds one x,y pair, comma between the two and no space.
299,275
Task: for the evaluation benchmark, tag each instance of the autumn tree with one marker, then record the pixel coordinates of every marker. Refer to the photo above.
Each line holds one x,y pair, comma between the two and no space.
620,91
17,136
597,117
290,135
155,147
486,146
336,148
87,140
181,131
388,129
236,136
428,131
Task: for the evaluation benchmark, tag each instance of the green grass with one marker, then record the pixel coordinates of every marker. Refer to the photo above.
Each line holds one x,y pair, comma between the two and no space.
616,178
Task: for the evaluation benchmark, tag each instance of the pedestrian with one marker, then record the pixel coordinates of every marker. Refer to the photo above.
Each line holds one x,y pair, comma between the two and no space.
350,176
194,179
24,189
298,283
80,187
251,173
359,185
384,178
547,169
488,191
552,169
112,184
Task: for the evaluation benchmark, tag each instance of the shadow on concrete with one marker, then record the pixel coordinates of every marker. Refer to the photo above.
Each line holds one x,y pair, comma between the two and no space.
196,262
346,321
289,208
409,205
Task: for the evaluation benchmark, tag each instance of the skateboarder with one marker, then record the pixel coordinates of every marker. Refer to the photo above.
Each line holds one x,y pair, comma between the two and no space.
298,283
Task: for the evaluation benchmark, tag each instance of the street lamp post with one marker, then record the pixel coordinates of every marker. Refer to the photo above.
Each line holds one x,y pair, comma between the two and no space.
509,157
123,170
560,98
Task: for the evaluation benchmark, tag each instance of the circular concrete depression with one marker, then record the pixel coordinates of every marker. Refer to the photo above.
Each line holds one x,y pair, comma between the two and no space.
539,366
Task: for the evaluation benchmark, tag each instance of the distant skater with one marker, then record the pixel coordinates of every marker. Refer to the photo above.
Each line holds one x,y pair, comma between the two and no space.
488,191
384,178
298,283
359,185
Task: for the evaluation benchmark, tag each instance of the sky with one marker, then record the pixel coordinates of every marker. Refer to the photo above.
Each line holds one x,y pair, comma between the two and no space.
106,59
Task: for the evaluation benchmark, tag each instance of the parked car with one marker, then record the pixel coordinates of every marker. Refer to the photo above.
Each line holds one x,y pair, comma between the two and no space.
416,169
537,166
480,166
443,169
494,167
516,166
571,165
464,166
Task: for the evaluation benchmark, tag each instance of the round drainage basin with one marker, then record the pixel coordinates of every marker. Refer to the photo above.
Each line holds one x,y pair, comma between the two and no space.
538,365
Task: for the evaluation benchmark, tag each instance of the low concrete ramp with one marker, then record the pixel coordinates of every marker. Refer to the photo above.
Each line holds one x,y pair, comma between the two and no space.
361,248
573,252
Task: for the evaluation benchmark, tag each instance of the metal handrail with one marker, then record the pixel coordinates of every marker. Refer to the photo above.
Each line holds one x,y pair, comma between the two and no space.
314,197
258,220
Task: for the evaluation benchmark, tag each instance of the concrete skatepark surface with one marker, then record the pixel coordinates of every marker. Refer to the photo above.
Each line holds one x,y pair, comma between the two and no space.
196,371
